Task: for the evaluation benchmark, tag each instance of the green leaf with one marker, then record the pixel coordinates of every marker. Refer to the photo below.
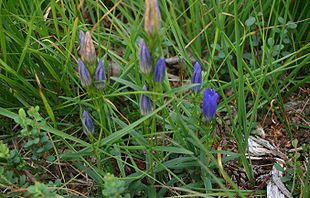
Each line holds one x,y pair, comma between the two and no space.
291,171
151,191
281,20
44,138
40,150
291,25
40,190
22,180
36,140
28,144
285,53
217,47
277,30
221,55
286,179
278,47
286,40
48,107
250,21
173,150
16,160
270,41
50,158
279,167
295,143
48,146
22,113
75,155
4,150
275,53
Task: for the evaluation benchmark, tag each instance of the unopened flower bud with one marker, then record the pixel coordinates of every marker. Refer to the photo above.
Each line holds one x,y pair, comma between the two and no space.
145,103
100,76
209,103
197,77
151,17
160,70
84,74
87,48
88,126
145,58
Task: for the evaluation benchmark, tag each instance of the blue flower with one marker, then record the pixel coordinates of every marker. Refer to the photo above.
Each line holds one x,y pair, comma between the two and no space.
145,58
197,77
160,70
84,74
145,103
100,77
210,98
88,126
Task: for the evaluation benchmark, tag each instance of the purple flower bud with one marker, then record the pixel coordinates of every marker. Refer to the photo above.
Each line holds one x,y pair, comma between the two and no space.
87,48
84,74
197,77
151,17
100,77
88,126
160,70
145,103
145,58
82,38
209,103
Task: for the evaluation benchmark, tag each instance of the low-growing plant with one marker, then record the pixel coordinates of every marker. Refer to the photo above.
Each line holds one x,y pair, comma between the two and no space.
147,98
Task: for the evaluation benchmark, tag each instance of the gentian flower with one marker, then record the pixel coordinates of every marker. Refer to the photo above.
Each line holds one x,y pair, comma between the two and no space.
145,58
160,70
145,103
84,74
88,126
87,48
197,77
209,103
100,77
151,17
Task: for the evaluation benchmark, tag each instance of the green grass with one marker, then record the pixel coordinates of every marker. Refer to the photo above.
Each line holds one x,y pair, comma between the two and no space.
254,53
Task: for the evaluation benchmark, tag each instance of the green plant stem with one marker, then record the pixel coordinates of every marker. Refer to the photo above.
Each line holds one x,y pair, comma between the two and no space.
196,115
241,100
100,108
